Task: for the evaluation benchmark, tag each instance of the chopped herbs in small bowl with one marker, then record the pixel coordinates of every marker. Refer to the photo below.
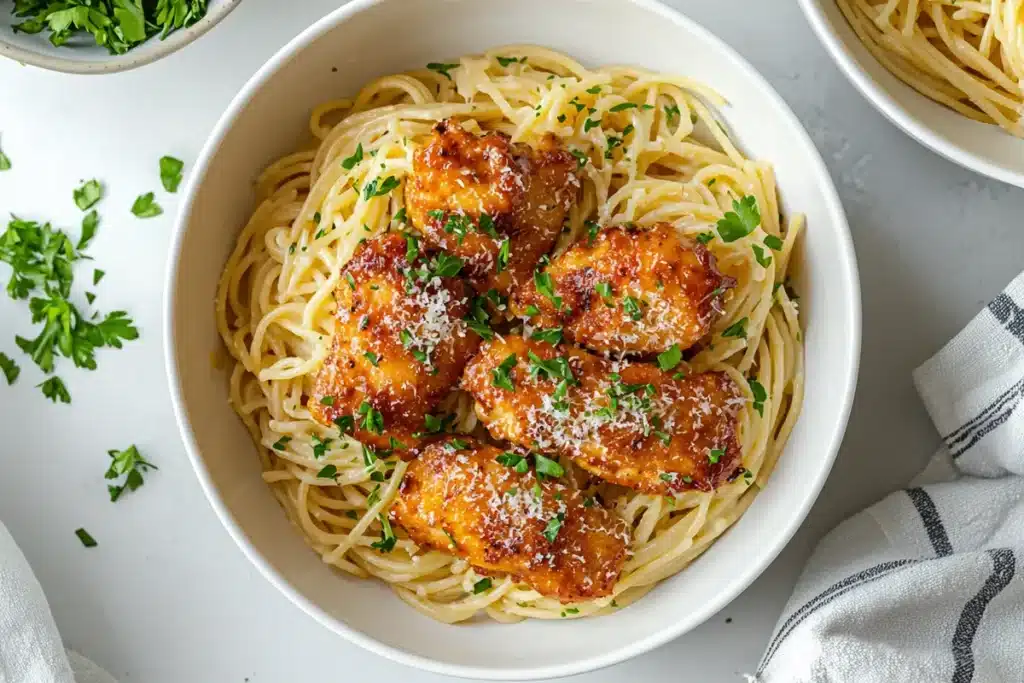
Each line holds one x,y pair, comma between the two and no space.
102,36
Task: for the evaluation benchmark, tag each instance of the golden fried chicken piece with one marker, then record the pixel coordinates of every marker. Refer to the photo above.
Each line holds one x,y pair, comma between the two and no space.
459,497
631,424
633,290
498,205
400,343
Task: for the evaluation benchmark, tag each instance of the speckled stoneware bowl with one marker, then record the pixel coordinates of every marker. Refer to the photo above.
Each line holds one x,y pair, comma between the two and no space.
83,56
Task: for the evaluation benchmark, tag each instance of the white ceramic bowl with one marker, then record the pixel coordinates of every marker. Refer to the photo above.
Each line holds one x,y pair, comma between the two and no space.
370,38
84,56
983,148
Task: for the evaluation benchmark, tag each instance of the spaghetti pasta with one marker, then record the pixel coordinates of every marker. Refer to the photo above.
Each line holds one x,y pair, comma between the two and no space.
965,54
665,157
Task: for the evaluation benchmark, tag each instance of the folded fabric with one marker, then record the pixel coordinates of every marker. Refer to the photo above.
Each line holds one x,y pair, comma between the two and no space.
30,646
928,584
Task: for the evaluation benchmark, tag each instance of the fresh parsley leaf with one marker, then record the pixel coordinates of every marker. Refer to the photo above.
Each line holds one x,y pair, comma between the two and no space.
379,188
760,395
446,265
705,237
412,248
773,242
542,281
553,527
320,446
346,424
86,538
505,61
592,229
581,157
399,216
280,444
373,358
632,306
97,275
129,464
738,329
373,420
715,454
514,461
9,368
90,222
670,358
483,584
594,90
145,206
387,537
590,123
442,68
88,194
551,336
5,162
623,107
327,472
348,163
759,255
500,376
672,111
54,389
546,467
504,252
170,172
741,221
327,401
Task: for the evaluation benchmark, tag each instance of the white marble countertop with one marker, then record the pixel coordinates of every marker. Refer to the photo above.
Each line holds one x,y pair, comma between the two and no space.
168,598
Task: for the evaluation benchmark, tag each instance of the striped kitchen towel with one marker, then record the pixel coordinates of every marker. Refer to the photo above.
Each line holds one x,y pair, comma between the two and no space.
928,585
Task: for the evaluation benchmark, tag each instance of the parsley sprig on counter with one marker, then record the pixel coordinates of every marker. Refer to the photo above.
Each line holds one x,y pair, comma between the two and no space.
118,25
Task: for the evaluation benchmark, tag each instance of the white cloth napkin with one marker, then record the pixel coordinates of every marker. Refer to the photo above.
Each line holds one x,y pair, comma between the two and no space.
30,647
928,584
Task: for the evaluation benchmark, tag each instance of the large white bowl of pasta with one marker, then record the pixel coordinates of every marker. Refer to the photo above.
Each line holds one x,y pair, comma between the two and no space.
522,364
947,72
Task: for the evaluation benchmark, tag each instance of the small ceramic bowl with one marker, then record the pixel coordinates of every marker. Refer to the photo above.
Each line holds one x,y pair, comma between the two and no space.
980,147
83,56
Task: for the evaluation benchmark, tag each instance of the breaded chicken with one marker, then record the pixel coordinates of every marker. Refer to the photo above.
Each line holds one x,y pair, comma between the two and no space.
498,205
400,343
630,424
633,290
458,497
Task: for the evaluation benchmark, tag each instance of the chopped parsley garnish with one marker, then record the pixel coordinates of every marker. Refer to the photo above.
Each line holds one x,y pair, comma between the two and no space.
451,539
705,237
500,376
594,90
590,123
327,472
546,467
631,305
87,540
553,527
387,537
592,229
531,311
514,461
623,106
457,445
5,162
446,265
738,329
145,206
772,242
483,584
442,68
379,188
281,443
327,401
542,281
435,425
344,423
412,248
670,358
503,254
372,357
604,290
9,368
672,111
551,336
54,389
741,221
373,421
715,454
554,369
399,216
348,163
486,226
760,395
505,61
97,275
581,157
90,222
170,173
374,496
588,502
88,194
759,255
668,477
320,446
129,464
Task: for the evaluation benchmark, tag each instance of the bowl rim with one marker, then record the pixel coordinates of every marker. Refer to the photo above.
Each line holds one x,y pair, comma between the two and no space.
891,109
850,362
129,60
